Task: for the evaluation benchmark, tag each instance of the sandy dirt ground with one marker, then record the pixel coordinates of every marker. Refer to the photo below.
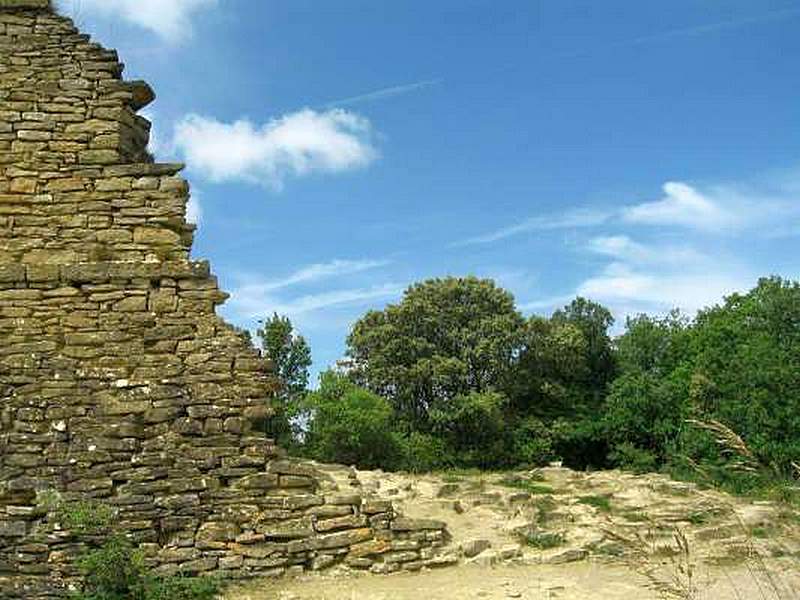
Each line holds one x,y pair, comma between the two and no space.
585,581
559,534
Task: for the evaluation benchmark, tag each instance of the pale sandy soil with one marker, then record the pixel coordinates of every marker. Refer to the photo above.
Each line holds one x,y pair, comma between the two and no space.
738,550
577,581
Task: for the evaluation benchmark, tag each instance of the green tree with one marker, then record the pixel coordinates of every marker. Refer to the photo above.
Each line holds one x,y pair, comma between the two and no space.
446,339
746,369
594,321
737,364
291,358
475,429
349,424
549,377
646,407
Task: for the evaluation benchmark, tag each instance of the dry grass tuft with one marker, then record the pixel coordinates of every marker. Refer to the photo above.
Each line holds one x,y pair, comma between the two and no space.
730,444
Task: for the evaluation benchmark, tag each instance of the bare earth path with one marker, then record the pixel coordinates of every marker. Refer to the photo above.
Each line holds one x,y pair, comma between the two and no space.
558,534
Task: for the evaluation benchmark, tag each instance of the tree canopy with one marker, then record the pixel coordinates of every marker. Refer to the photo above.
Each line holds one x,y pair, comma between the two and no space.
447,338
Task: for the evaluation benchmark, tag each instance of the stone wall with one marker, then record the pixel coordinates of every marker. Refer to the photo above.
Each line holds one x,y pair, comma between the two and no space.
118,381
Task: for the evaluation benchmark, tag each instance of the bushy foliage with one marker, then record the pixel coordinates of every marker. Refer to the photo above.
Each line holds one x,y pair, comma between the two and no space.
349,424
458,362
737,364
117,571
422,453
746,360
81,517
473,427
532,443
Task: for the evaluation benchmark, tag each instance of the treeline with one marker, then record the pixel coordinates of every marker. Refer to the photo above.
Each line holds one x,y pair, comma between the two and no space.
455,376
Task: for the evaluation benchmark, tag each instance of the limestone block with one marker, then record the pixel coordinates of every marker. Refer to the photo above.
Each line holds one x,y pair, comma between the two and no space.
215,535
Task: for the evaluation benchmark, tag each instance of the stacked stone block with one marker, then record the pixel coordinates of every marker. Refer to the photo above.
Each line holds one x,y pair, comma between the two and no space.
118,381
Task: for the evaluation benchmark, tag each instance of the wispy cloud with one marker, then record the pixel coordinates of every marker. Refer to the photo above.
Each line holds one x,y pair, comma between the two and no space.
569,220
316,272
710,230
295,145
251,302
170,19
630,290
383,93
623,248
684,206
720,209
770,207
651,278
256,297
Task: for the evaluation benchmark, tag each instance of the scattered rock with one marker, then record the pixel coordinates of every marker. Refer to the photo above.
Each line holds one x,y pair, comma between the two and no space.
472,548
567,556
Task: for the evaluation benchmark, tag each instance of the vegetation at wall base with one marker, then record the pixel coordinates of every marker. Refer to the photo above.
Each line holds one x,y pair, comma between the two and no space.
117,571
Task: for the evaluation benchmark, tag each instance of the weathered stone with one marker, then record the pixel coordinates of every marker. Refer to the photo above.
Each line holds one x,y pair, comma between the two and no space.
406,524
215,536
347,522
474,547
370,548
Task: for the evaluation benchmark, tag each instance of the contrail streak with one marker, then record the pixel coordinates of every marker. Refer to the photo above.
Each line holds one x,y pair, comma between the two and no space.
383,93
696,30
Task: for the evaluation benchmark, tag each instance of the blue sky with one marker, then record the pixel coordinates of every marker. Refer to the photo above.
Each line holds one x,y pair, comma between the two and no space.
644,154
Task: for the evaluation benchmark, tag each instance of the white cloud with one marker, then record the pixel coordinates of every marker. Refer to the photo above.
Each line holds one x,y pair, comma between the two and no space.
250,302
154,145
315,272
770,207
684,206
629,290
257,297
194,210
170,19
621,247
297,144
569,220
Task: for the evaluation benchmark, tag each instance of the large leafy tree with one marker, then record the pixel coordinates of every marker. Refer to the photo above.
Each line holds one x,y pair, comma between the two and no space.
594,321
290,355
447,338
549,376
738,364
746,369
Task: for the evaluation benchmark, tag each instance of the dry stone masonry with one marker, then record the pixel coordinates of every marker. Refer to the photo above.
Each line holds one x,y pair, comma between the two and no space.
118,381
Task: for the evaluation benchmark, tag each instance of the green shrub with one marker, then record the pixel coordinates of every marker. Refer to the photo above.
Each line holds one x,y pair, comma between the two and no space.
533,443
638,460
581,444
423,453
82,517
114,571
117,571
349,424
474,427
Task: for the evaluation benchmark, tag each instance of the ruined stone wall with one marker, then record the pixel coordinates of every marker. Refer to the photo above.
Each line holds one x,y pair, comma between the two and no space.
118,381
